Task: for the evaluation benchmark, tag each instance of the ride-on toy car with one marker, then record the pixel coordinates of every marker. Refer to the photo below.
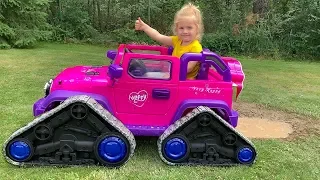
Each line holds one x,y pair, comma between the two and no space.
91,114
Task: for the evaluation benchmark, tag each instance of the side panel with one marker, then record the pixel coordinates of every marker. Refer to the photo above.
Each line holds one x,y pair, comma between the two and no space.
177,112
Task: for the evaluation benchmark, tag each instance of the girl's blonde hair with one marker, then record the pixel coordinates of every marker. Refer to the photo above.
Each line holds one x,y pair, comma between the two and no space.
190,11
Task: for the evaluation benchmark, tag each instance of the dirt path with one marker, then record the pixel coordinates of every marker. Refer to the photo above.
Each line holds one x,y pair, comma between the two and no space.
256,121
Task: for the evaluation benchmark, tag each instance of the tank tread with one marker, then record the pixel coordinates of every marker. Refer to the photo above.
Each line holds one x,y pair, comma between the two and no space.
77,132
202,137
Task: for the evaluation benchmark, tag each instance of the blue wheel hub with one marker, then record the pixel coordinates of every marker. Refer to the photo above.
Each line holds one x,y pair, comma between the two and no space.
245,155
20,150
175,148
112,149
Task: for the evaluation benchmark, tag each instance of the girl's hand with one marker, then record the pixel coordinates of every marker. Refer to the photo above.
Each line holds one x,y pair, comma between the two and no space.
152,33
139,25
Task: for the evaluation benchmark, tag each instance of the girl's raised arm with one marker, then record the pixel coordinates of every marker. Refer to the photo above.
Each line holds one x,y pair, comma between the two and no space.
152,33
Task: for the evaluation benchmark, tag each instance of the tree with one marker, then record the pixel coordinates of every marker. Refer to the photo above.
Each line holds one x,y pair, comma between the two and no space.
23,23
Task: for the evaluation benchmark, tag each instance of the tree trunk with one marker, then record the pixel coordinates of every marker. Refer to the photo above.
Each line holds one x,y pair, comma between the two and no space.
108,10
107,23
99,15
59,10
89,8
94,14
149,12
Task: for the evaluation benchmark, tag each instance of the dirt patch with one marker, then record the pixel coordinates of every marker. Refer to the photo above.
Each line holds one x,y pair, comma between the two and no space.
256,121
263,128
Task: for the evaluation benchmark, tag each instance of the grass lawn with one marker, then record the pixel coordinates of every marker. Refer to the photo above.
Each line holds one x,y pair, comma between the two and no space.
287,86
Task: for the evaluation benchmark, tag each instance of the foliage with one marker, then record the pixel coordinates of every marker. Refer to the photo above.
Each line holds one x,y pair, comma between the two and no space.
299,28
261,27
72,21
126,35
23,23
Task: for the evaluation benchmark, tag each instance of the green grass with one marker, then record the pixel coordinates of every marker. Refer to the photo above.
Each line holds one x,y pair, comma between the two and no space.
289,86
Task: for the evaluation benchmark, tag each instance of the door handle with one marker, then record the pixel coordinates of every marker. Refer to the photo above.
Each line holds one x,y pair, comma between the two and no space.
161,93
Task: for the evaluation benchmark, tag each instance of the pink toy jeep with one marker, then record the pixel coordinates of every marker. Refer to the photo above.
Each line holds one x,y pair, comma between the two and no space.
91,114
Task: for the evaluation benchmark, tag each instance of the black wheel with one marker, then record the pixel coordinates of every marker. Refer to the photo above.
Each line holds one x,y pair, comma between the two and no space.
43,132
176,148
20,150
79,111
112,149
245,155
204,119
230,139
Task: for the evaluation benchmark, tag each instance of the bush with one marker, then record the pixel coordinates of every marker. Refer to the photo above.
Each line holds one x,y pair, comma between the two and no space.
101,39
4,44
23,23
126,35
219,42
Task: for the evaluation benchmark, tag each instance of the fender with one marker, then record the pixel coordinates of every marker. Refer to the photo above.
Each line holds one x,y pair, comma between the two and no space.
60,95
231,115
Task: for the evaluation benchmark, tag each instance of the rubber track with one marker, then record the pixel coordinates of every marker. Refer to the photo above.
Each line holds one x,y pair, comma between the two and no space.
94,105
188,117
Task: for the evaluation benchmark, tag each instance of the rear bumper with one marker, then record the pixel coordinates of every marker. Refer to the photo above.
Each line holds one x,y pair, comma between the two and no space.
234,118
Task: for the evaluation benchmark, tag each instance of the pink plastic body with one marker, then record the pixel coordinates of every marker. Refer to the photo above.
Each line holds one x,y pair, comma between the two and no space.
135,102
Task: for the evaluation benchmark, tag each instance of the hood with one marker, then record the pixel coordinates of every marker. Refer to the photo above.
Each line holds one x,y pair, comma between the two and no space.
80,78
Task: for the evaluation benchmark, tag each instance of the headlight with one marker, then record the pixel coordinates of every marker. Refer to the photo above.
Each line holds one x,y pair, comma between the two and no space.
47,87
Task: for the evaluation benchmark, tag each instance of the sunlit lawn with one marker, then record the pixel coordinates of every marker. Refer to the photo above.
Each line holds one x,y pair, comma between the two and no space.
287,86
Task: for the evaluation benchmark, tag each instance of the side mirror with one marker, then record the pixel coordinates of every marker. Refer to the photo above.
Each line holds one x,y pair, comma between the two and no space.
111,54
115,71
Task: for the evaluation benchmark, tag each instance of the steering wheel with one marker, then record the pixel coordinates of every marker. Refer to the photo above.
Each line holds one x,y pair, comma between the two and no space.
137,67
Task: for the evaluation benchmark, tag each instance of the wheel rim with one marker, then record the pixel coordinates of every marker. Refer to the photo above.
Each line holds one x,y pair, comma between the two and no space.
43,132
20,150
245,155
204,119
230,139
175,148
79,111
112,149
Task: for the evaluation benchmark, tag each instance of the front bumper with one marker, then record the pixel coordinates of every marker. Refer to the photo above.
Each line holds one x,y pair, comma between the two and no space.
38,108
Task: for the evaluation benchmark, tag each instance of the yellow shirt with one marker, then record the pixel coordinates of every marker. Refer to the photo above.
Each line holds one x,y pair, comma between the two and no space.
179,50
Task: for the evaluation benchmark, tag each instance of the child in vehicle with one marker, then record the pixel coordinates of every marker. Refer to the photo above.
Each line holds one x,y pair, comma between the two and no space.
187,29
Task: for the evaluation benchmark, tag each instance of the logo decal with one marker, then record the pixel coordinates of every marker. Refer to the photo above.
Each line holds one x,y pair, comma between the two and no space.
206,90
138,98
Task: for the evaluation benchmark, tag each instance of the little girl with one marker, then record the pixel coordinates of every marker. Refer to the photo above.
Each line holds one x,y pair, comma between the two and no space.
188,30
